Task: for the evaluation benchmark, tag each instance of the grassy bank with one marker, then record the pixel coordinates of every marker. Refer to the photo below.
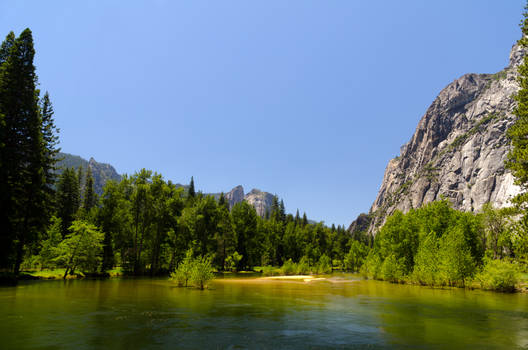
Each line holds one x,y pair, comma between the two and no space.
51,274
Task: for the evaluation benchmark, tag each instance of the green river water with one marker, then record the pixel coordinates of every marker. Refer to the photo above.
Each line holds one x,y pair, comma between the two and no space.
342,311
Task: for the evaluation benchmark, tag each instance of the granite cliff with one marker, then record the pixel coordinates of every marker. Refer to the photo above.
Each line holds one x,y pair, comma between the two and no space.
260,200
458,149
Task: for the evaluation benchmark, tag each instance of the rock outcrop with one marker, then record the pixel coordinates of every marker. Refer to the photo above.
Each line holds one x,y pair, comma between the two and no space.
236,195
458,149
101,172
260,200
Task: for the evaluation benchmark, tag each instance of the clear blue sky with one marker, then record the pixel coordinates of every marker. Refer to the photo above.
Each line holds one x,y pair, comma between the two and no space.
305,99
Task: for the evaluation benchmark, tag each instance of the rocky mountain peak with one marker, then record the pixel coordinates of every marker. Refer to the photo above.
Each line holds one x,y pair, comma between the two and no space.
458,149
261,201
235,196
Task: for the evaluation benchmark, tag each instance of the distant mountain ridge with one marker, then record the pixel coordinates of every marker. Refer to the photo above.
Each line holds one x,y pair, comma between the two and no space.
103,172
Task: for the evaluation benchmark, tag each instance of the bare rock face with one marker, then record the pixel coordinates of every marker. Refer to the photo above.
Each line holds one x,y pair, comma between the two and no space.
458,149
235,196
261,201
101,172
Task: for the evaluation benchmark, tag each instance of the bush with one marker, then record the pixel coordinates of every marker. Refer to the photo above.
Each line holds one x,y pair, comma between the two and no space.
426,262
202,272
303,267
289,268
325,265
372,266
270,270
355,256
498,275
456,264
232,261
392,270
182,274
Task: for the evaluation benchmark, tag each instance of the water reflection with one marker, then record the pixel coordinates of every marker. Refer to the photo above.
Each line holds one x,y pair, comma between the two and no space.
341,312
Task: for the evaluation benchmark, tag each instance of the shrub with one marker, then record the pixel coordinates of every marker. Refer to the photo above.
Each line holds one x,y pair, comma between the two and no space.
392,269
456,264
232,261
202,272
498,275
269,271
182,274
355,256
289,268
303,267
325,265
372,266
426,261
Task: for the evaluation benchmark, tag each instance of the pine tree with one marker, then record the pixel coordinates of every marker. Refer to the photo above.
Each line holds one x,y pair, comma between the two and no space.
282,211
25,153
80,176
90,197
68,198
192,191
297,218
222,201
275,209
304,220
50,140
517,160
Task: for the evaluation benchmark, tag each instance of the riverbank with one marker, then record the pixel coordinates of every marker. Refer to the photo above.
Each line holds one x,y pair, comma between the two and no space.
59,274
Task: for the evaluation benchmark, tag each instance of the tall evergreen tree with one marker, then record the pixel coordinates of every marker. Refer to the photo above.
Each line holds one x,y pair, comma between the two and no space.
51,141
90,197
282,211
80,175
192,191
518,133
68,198
25,161
222,201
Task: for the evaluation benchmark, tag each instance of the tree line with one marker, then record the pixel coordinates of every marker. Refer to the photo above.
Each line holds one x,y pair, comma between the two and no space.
145,225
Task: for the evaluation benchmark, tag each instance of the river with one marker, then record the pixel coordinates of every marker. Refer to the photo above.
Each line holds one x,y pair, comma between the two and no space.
342,311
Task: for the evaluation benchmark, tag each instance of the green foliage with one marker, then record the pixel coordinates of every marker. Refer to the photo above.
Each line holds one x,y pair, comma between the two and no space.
426,261
324,265
270,271
456,264
289,268
433,245
81,249
303,267
356,256
27,152
50,243
372,266
90,197
498,275
198,271
399,237
183,272
517,160
392,269
68,198
202,272
232,261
